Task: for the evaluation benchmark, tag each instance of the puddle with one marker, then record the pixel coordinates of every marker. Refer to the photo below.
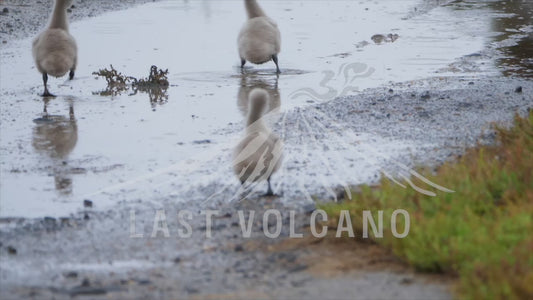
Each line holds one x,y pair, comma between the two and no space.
515,28
125,148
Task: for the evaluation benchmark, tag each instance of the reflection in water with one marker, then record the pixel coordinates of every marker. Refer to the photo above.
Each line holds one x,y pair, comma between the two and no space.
56,136
258,155
157,95
517,25
248,83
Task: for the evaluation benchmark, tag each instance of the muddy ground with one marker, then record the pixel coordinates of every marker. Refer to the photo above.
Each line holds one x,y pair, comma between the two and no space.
22,18
92,254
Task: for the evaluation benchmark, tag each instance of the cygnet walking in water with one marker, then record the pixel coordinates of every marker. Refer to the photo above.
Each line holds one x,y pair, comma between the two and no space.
259,40
54,50
259,153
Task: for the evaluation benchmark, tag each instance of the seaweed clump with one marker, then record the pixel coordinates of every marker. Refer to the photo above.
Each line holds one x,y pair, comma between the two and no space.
156,84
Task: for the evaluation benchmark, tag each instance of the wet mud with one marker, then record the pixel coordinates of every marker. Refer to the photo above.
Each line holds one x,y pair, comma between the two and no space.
78,170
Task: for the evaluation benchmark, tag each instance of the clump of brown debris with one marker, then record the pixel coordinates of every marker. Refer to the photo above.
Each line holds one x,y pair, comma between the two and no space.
155,85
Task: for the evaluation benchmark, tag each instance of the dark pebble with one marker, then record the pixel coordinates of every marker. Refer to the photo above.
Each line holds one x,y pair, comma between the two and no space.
518,89
298,283
5,10
423,114
71,275
214,227
202,142
87,291
425,95
391,91
86,217
341,194
471,83
191,290
87,203
11,250
406,280
49,221
239,248
143,282
85,282
298,268
309,208
177,260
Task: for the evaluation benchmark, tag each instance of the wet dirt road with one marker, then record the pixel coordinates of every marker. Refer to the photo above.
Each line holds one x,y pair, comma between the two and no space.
121,145
353,104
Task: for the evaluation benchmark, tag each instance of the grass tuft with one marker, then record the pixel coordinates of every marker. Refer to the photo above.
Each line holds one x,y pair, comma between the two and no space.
483,232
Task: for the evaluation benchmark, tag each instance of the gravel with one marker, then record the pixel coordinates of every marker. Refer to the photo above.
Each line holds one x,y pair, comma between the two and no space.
22,18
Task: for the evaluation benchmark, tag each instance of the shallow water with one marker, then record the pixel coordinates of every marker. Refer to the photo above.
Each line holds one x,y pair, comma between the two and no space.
125,148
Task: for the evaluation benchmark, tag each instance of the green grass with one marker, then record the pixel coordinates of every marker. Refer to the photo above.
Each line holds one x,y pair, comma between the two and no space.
482,233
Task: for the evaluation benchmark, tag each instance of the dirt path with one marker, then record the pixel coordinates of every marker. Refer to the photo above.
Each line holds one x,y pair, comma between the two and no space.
92,253
23,18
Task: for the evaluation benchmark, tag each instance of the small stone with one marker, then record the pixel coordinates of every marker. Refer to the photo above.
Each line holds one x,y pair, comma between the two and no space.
471,83
202,142
425,95
391,91
11,250
49,220
143,282
341,195
71,275
87,203
5,10
297,268
406,280
423,114
85,282
191,290
177,260
518,90
86,217
239,248
309,208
